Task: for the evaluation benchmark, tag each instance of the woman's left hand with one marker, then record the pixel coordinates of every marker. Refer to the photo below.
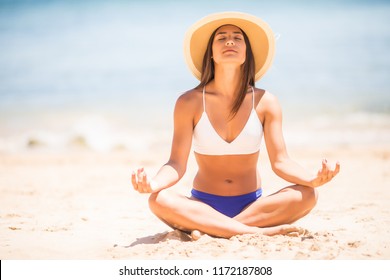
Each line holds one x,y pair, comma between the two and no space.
141,181
325,174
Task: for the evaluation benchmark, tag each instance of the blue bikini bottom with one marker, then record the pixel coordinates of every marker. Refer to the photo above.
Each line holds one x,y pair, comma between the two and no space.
227,205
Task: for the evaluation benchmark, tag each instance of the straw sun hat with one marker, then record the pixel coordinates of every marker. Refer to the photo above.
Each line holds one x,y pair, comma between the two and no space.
259,33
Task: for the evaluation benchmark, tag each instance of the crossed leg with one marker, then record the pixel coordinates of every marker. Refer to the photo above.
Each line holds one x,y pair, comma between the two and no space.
282,207
269,215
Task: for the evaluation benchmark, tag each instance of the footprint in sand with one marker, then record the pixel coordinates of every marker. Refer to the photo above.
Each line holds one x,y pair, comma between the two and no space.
12,215
56,229
14,228
354,244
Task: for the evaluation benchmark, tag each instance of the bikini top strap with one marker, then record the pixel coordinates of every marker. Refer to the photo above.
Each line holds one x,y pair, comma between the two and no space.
204,100
253,98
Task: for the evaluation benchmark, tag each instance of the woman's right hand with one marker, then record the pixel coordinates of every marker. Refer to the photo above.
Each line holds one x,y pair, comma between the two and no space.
141,182
325,174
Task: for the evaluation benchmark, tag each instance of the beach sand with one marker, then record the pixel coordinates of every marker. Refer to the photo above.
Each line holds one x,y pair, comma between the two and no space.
80,205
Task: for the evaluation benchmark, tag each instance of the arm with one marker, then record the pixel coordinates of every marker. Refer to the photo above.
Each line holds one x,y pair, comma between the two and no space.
171,172
281,163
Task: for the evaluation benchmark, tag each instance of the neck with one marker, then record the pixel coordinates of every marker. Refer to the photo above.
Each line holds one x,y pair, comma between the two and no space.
227,80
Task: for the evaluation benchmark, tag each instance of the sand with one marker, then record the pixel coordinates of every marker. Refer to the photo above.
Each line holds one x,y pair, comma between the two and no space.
79,204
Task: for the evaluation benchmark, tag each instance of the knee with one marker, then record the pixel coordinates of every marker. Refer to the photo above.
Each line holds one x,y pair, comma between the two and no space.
160,200
309,197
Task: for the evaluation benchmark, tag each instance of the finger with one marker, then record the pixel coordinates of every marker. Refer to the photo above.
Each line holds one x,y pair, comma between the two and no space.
140,176
139,180
134,180
325,168
144,178
322,172
337,169
145,183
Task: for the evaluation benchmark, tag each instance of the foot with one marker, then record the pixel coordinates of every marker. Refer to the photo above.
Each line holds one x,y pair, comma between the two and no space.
282,230
196,234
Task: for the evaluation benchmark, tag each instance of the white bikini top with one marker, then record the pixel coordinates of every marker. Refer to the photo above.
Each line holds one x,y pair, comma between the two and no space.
208,142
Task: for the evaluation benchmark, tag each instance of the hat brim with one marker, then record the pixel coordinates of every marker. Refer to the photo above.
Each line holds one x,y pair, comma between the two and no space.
259,34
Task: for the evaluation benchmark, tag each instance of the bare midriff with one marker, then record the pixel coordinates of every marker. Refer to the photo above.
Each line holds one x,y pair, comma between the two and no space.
227,175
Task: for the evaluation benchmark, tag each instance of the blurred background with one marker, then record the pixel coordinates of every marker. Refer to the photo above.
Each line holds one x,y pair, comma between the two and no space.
104,75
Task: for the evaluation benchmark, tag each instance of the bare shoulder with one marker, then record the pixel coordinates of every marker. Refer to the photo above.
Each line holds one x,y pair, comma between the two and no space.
265,97
189,96
268,103
189,101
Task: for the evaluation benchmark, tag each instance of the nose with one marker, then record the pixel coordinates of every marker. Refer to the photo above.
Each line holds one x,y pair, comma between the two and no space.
230,42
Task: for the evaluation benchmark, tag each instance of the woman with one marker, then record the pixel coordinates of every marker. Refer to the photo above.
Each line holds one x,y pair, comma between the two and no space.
224,118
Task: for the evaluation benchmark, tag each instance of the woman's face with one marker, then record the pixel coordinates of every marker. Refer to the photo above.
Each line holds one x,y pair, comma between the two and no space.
229,46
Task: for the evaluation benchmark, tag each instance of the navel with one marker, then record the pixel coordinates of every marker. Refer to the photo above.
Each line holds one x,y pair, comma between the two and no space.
229,181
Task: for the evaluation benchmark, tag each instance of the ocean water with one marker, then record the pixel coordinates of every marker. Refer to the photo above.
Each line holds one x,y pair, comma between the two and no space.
105,75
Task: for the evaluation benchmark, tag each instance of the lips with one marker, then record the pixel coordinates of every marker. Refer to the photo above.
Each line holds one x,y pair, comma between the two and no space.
229,50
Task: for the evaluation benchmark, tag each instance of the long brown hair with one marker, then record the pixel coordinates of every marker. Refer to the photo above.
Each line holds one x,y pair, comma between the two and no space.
247,71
